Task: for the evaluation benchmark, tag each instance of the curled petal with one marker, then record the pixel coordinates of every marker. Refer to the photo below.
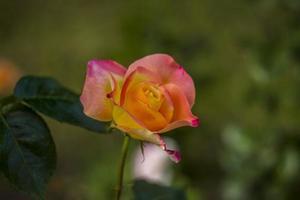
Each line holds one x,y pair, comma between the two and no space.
168,71
102,78
179,123
182,115
174,155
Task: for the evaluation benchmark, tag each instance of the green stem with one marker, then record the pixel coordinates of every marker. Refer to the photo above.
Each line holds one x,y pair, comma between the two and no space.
119,187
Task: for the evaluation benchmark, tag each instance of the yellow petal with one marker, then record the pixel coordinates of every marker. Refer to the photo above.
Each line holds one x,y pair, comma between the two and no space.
128,124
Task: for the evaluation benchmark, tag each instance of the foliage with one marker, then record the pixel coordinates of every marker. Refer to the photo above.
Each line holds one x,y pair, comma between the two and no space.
27,150
49,97
28,156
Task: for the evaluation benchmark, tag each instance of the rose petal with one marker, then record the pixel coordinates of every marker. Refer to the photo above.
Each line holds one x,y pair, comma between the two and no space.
167,107
174,155
151,118
184,81
161,64
125,122
166,68
182,115
101,79
137,76
129,124
106,65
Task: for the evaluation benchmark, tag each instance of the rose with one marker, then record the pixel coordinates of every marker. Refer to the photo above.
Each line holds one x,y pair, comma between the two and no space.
153,96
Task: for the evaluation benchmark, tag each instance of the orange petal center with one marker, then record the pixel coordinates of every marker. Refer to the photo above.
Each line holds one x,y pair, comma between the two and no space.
145,101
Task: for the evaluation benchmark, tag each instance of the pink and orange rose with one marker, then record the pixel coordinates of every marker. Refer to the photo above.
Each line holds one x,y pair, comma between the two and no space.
153,96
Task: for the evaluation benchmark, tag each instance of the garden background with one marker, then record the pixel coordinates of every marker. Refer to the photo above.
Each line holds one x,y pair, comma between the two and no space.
244,56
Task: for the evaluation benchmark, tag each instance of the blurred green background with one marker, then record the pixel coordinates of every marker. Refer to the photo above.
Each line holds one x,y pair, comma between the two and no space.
244,56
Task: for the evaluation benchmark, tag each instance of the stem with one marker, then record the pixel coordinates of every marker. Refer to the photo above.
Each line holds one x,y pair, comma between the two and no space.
121,167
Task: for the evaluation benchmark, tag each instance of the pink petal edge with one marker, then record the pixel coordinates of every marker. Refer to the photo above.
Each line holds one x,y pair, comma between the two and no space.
107,65
99,75
174,155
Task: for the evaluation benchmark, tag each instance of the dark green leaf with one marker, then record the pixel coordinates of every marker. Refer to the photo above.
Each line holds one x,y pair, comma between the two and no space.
49,97
28,156
149,191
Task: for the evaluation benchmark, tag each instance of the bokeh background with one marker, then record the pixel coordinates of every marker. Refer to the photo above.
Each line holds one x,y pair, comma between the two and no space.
244,56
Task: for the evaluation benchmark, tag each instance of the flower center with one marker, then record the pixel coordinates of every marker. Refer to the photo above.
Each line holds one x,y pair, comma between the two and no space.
146,102
150,95
152,92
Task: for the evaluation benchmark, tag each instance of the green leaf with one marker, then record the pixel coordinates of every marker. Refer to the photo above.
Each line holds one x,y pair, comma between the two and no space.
49,97
150,191
28,156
